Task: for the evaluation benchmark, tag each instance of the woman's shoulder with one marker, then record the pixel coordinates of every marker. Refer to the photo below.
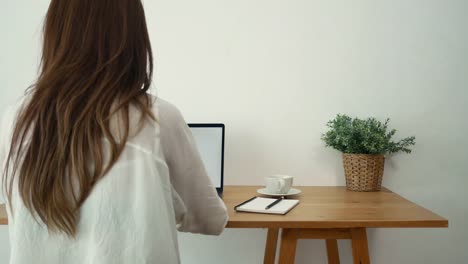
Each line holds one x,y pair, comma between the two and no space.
10,111
8,115
167,113
164,107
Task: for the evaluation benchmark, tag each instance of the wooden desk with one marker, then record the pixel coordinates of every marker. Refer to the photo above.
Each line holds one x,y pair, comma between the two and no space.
328,213
3,215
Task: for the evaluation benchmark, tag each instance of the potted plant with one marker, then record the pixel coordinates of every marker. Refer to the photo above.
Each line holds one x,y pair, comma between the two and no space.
364,144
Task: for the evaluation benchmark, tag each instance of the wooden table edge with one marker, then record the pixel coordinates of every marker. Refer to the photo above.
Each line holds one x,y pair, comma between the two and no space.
443,223
3,213
435,224
439,223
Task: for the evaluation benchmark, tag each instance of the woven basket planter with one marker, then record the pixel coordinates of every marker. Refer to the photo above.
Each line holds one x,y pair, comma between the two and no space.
363,172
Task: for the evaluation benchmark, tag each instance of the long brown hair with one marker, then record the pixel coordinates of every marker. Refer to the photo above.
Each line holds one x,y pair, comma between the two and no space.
96,62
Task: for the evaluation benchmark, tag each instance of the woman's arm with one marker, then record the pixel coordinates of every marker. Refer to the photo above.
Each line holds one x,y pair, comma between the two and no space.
197,205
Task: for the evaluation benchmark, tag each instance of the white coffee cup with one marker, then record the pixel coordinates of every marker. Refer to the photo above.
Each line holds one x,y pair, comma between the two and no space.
279,184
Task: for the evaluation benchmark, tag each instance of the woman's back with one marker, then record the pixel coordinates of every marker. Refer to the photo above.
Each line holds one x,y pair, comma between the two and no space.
158,183
95,170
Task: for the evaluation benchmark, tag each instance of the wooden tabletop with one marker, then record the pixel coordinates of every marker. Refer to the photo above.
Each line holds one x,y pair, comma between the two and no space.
3,215
327,207
334,207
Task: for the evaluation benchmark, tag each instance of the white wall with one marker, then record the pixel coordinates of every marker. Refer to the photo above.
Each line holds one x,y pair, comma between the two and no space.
275,71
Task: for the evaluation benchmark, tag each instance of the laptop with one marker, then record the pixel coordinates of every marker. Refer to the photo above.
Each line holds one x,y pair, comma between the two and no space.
209,139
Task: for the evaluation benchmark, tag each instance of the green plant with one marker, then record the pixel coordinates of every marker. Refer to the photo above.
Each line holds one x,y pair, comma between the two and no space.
358,136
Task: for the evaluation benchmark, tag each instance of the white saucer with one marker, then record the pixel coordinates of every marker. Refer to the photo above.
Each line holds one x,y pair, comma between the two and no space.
292,191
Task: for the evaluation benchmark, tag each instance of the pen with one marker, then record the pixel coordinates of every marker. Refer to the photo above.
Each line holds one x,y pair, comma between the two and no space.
235,207
273,203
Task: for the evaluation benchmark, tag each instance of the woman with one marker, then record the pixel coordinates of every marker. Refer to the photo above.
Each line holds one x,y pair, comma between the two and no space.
96,170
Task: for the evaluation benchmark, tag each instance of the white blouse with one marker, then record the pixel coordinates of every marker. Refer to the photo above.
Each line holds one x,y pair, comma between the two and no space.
158,185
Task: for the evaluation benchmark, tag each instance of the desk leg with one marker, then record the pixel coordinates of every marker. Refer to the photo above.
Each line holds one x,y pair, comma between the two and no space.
270,248
332,251
288,246
359,245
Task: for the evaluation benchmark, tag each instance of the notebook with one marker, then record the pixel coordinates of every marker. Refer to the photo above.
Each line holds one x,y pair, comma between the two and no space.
258,204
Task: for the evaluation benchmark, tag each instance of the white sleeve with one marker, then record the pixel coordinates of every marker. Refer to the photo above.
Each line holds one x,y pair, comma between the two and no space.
197,205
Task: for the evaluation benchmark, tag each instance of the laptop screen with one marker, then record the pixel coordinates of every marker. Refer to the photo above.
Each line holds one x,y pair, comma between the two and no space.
209,139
